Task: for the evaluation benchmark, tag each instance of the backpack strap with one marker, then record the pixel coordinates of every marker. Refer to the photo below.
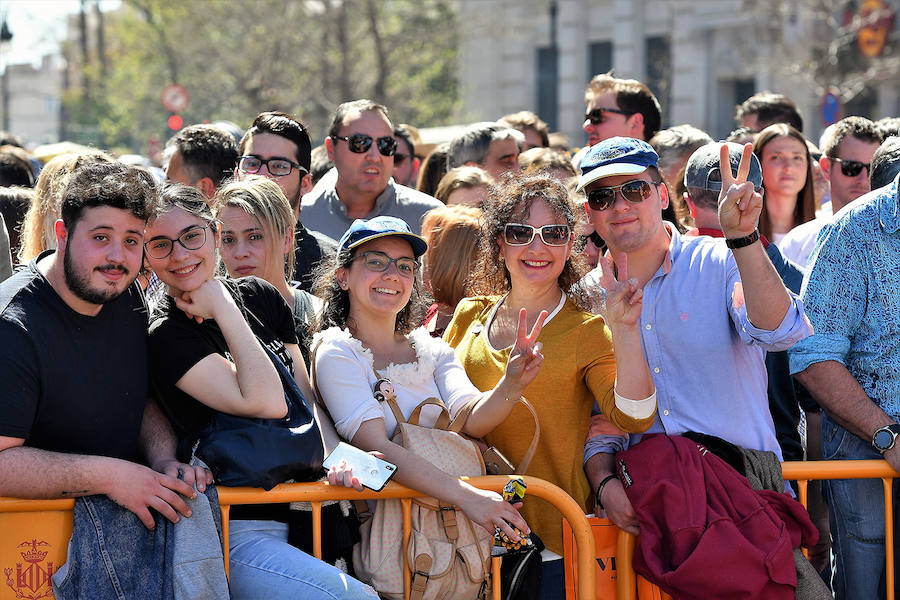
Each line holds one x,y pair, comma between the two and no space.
443,421
421,571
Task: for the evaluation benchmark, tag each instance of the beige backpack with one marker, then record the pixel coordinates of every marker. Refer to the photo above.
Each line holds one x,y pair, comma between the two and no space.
449,555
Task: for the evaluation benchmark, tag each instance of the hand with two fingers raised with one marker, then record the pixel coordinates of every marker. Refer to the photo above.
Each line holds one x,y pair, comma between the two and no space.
739,203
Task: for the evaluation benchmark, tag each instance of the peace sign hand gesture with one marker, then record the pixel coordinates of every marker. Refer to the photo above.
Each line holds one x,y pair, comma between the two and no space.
739,204
525,358
623,296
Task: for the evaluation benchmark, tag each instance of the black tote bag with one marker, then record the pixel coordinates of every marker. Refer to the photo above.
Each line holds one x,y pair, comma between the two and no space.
243,451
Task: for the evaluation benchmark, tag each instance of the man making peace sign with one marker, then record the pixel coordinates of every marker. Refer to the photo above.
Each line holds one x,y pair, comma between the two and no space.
711,309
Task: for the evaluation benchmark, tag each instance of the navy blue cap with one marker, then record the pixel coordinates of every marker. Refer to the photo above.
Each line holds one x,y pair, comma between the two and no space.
702,170
616,156
362,231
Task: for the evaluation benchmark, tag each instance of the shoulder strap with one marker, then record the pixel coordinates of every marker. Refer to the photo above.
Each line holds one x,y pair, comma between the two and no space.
326,423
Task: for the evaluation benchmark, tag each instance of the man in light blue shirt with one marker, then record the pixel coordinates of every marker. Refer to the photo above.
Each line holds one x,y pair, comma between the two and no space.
711,308
851,365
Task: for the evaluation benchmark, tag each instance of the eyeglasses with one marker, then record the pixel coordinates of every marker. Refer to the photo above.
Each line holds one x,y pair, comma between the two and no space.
380,262
192,239
399,158
518,234
601,198
852,168
596,116
360,143
279,167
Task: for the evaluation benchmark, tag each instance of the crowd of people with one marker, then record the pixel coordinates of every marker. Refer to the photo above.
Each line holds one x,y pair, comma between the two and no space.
655,282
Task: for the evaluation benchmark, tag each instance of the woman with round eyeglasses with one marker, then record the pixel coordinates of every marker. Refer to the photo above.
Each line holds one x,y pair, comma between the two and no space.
525,263
371,330
206,354
787,180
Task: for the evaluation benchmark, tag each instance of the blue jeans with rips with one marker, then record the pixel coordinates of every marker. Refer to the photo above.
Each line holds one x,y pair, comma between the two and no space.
857,518
264,565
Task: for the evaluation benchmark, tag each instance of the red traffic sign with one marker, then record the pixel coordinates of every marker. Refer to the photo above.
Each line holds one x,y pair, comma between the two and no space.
175,97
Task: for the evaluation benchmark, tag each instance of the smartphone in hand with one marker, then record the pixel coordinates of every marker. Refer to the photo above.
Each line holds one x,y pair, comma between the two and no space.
372,472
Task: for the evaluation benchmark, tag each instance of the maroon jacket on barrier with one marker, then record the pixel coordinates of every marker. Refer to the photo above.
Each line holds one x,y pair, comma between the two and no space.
705,533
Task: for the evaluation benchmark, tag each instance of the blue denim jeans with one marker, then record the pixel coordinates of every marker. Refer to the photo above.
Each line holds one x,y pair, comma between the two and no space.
857,518
264,565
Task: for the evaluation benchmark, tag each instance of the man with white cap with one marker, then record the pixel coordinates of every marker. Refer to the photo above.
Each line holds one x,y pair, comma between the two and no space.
711,308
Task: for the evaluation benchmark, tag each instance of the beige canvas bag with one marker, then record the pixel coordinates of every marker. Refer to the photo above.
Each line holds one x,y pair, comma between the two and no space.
449,555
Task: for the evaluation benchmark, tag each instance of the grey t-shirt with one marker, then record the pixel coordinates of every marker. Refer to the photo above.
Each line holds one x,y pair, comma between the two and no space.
324,212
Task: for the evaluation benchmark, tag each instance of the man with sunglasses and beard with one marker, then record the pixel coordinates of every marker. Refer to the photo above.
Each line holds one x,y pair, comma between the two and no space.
711,308
847,151
75,419
361,145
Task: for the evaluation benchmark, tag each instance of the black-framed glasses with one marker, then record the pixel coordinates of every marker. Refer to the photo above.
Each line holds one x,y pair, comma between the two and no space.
596,116
852,168
380,262
279,167
192,239
360,143
520,234
636,190
399,158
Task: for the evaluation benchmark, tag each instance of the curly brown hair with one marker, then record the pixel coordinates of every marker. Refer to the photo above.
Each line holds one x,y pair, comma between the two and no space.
336,312
509,203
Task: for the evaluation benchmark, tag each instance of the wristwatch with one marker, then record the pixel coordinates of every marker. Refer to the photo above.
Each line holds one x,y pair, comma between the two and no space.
735,243
885,437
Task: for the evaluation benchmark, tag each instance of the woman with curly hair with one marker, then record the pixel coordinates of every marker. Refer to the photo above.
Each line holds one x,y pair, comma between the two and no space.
371,330
525,263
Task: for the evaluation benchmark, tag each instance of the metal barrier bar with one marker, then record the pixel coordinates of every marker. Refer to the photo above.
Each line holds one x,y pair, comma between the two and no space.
802,472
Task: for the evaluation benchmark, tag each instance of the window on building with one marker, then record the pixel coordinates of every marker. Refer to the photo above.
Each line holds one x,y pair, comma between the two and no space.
659,71
599,58
547,85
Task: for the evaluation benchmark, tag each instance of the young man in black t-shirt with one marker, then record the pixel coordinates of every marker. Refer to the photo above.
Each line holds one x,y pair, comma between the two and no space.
74,415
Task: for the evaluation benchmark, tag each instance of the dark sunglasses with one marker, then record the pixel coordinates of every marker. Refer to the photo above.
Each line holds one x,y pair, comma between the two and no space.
360,143
279,167
595,239
596,115
852,168
634,191
518,234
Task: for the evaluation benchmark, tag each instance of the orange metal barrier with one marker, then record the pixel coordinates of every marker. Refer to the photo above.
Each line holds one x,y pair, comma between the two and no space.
45,526
802,472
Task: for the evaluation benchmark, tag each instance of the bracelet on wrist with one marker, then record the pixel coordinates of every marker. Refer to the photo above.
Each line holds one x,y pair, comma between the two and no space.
600,487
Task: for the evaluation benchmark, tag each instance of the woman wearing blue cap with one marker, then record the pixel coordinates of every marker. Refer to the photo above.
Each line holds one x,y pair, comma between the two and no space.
206,355
372,331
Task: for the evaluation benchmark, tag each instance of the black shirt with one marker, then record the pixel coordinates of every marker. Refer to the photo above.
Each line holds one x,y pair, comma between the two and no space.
311,247
71,382
178,343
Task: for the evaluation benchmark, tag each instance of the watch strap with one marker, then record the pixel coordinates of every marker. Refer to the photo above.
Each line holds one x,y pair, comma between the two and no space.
741,242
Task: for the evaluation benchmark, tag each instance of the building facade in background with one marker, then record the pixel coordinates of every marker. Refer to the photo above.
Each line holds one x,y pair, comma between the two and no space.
700,57
35,100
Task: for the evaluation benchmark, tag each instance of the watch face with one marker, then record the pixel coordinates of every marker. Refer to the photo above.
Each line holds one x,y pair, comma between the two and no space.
883,440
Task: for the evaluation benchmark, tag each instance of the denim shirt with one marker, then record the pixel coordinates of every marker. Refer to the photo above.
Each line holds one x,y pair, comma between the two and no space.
706,358
852,294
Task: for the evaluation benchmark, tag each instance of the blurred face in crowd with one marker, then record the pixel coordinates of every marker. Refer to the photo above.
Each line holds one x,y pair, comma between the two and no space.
532,139
361,175
846,188
267,146
502,157
175,170
784,167
470,196
613,123
406,165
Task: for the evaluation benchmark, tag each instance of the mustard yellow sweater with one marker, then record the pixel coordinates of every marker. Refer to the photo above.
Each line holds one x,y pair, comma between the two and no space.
578,369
